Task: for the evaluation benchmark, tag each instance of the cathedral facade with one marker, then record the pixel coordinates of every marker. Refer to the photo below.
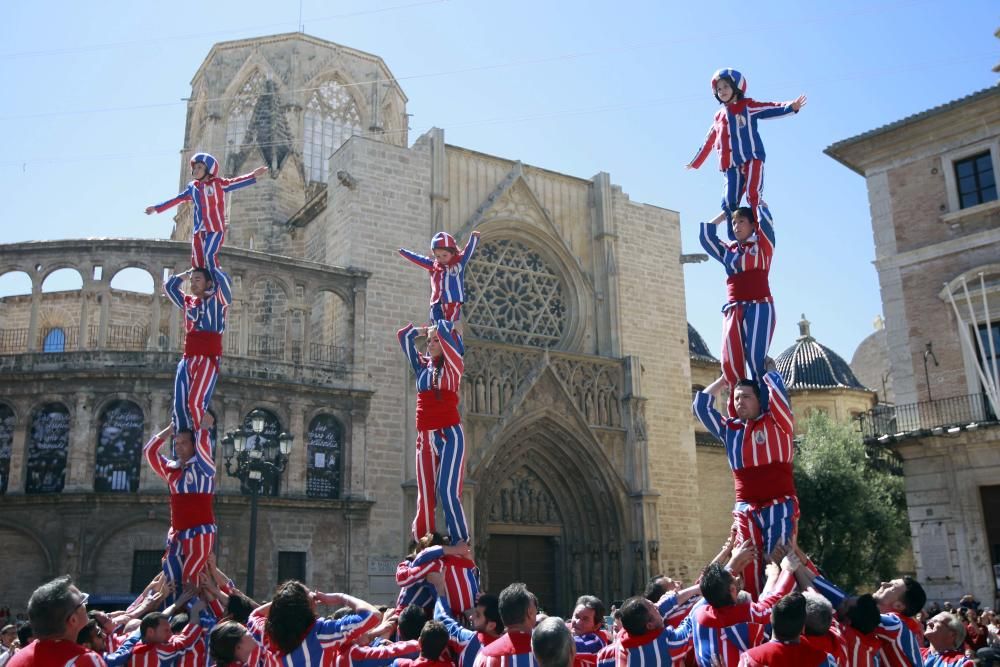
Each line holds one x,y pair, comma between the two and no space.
580,457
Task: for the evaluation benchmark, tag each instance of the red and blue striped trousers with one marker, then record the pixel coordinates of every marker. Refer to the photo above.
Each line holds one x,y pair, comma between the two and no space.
440,472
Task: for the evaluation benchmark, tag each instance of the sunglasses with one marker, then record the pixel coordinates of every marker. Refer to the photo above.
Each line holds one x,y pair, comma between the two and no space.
81,603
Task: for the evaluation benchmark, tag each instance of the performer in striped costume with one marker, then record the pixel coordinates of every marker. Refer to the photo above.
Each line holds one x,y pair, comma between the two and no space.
191,480
447,271
946,635
748,323
786,648
204,322
734,136
292,638
486,624
760,450
232,645
356,655
457,569
207,192
518,609
586,625
646,640
440,438
160,646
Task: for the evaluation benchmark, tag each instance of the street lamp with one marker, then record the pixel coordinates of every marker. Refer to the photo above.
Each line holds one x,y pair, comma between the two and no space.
259,460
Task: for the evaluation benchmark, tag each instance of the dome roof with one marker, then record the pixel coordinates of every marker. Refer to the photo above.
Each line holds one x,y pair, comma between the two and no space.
809,365
697,347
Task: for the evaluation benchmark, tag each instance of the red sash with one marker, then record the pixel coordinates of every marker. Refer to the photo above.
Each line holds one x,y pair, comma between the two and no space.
748,286
189,510
762,484
437,409
203,344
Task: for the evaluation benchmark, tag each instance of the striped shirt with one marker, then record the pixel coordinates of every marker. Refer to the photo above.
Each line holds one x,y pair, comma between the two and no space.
208,197
761,441
447,280
932,658
659,647
466,643
196,476
162,654
208,314
734,135
372,656
55,653
742,256
429,376
512,649
321,642
411,578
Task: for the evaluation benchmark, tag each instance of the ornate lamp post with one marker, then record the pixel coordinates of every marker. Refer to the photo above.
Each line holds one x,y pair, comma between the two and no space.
259,461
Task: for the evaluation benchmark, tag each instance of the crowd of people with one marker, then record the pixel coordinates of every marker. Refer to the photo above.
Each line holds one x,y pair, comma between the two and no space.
760,601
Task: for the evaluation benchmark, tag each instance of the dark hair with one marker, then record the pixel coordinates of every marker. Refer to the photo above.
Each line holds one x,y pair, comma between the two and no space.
206,274
290,616
913,597
86,634
552,643
223,640
151,621
432,539
183,431
746,382
178,622
595,604
746,212
514,602
491,609
715,582
240,606
789,617
864,614
341,613
24,633
433,639
737,93
635,616
411,622
50,605
655,589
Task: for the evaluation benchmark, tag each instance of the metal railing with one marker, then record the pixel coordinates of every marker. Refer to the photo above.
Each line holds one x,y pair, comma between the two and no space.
927,415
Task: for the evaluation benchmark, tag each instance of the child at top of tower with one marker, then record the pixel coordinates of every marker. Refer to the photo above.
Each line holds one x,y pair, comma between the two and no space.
447,271
207,193
734,137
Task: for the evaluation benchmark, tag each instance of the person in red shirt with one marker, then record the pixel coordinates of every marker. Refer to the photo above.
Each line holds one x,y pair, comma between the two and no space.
57,611
788,618
518,611
433,642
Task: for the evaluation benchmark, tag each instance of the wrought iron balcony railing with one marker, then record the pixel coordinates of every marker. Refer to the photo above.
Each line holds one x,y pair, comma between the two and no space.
930,416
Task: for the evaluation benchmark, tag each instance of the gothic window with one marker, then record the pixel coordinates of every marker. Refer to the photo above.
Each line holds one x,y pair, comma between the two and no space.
55,341
241,113
266,441
331,117
514,296
119,448
6,438
47,449
326,436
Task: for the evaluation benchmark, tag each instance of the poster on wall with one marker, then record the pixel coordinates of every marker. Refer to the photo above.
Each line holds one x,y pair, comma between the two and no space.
47,448
323,457
119,448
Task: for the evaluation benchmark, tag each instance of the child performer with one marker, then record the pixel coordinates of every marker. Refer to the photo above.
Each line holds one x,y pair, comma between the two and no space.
447,269
440,438
748,323
735,138
207,192
204,321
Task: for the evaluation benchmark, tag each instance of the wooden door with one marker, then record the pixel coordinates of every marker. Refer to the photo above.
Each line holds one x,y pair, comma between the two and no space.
527,558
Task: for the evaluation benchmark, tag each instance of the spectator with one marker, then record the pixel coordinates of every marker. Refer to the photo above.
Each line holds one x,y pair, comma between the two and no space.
518,609
946,634
58,611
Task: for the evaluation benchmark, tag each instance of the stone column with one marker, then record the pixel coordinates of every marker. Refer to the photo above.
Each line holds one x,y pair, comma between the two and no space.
606,267
36,298
102,333
85,292
355,454
295,475
358,374
80,457
153,340
19,451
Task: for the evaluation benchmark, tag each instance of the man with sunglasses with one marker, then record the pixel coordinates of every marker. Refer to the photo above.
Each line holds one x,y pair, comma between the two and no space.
57,611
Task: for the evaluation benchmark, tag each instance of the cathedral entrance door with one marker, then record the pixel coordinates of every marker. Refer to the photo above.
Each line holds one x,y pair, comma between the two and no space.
527,558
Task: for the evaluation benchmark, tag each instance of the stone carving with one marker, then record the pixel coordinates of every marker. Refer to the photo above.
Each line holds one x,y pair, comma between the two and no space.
331,117
524,499
514,296
595,388
493,375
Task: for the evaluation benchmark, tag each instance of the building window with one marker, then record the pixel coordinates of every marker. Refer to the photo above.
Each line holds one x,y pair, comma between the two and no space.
55,341
330,118
6,438
326,436
514,296
119,448
47,449
291,565
238,136
146,564
975,179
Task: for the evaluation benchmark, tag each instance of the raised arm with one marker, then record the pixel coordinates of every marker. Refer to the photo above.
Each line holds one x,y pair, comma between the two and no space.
702,153
709,238
442,613
152,452
408,574
223,285
408,341
704,408
779,404
760,611
237,182
336,632
185,195
765,110
419,260
470,248
765,223
172,288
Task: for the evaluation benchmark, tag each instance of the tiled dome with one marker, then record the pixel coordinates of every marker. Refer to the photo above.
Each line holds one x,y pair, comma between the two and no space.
809,365
697,347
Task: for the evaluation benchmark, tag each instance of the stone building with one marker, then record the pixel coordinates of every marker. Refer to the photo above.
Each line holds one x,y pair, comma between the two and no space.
580,447
936,221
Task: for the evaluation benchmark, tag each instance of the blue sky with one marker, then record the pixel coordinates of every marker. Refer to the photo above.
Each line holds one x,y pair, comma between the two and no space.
94,117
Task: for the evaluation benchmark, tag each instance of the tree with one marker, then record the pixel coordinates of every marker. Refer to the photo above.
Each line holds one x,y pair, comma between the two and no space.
853,515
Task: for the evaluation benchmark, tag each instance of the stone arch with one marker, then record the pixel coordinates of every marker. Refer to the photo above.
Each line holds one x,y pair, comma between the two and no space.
266,312
34,561
15,282
47,448
576,288
109,561
331,327
131,275
588,502
61,274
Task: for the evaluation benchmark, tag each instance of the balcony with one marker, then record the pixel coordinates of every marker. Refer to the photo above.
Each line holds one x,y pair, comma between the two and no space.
886,423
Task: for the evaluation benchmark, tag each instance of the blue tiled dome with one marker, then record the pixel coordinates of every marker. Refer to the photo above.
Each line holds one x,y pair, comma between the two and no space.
697,347
809,365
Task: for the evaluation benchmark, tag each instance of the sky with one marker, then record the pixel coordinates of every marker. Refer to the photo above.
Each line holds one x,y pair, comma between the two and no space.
95,111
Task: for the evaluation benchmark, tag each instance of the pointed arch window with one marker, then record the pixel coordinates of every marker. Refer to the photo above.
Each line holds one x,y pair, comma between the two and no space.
241,113
330,118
